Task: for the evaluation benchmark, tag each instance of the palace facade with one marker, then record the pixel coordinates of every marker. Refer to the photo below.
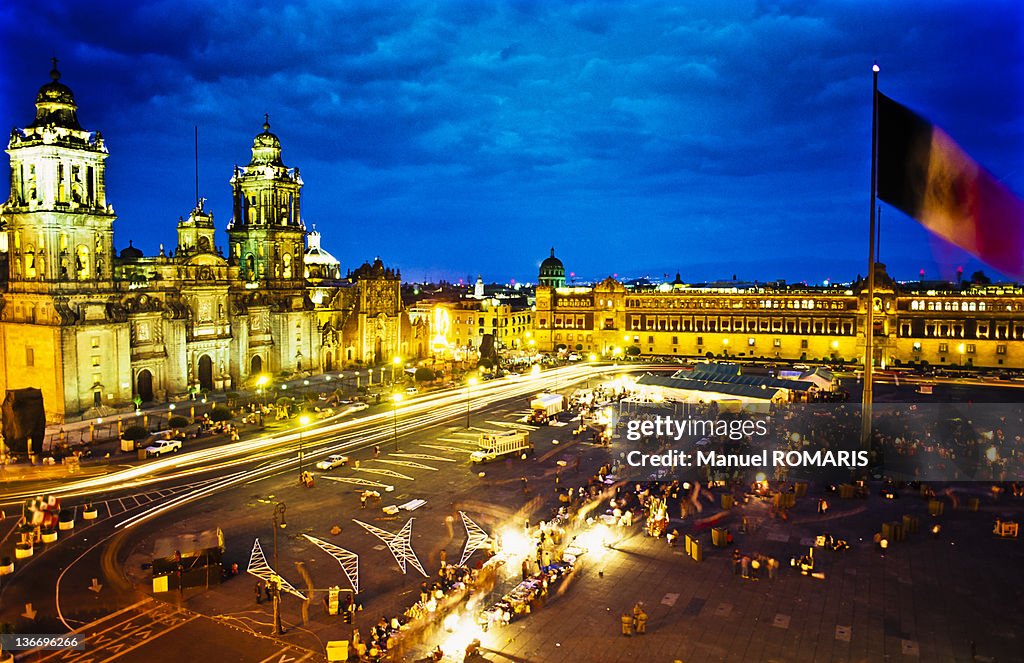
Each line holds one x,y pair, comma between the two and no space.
94,329
968,325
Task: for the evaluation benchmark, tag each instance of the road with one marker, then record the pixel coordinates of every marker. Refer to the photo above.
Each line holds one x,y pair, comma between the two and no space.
207,488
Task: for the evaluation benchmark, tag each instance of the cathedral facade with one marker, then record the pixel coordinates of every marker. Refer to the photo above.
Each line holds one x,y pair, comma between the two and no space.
94,330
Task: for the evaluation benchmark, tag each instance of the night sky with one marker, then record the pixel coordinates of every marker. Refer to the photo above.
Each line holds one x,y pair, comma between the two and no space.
466,138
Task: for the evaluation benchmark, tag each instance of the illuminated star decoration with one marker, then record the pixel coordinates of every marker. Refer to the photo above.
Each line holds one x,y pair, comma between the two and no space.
425,457
258,567
348,560
366,483
387,473
476,538
399,544
406,463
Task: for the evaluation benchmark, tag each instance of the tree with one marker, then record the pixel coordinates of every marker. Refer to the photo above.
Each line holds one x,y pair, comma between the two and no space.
424,374
579,346
220,413
177,421
633,351
979,278
135,433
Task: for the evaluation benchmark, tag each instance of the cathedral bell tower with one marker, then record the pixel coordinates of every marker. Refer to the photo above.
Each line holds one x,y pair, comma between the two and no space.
266,232
60,230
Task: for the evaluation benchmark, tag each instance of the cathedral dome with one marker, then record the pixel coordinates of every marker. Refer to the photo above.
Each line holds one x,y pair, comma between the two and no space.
552,263
266,147
130,252
552,272
55,104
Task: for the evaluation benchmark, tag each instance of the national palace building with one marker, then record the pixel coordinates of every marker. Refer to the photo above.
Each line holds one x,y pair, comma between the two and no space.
969,325
93,328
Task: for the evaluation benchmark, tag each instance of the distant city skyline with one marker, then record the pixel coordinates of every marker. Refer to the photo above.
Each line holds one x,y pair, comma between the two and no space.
458,139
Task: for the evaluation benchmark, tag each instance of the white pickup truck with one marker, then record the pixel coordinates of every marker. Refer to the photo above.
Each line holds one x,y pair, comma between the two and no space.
162,447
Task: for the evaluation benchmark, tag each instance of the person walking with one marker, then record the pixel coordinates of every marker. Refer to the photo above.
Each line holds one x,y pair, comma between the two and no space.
259,592
627,624
641,621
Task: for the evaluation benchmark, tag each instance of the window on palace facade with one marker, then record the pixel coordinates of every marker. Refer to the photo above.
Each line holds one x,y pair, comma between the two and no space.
30,357
777,342
675,340
750,341
95,361
700,340
917,346
94,342
943,347
970,348
1000,349
650,339
803,344
983,331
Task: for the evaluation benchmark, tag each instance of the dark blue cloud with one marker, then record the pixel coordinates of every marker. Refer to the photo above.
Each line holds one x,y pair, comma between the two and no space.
467,137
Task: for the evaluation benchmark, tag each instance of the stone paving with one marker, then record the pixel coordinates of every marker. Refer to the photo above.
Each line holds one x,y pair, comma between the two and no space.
926,600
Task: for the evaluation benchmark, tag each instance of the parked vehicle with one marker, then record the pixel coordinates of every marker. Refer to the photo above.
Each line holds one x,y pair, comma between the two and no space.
494,446
163,447
544,407
331,462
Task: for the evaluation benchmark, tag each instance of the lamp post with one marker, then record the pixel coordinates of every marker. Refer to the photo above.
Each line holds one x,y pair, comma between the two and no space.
469,387
395,363
396,398
261,384
279,523
303,422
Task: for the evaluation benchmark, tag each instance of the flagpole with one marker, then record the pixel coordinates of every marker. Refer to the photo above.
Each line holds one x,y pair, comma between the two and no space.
869,326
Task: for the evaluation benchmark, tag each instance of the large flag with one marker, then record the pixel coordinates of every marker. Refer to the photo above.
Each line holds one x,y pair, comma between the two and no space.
922,172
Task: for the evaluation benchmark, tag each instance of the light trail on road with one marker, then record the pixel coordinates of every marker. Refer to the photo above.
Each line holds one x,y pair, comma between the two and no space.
449,406
431,409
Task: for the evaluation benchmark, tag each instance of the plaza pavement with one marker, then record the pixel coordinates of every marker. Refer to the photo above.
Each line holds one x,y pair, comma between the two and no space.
925,601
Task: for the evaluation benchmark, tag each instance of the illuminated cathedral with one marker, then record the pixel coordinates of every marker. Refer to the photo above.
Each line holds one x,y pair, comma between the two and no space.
96,330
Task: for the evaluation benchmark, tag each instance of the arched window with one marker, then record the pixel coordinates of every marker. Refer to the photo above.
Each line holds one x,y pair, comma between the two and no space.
287,265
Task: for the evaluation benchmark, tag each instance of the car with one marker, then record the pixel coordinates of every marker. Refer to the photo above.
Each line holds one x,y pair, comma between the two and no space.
162,447
358,407
411,390
331,462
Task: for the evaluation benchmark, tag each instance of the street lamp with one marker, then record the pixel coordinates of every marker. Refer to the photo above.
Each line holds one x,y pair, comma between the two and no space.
469,386
396,398
279,523
303,422
261,385
395,363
